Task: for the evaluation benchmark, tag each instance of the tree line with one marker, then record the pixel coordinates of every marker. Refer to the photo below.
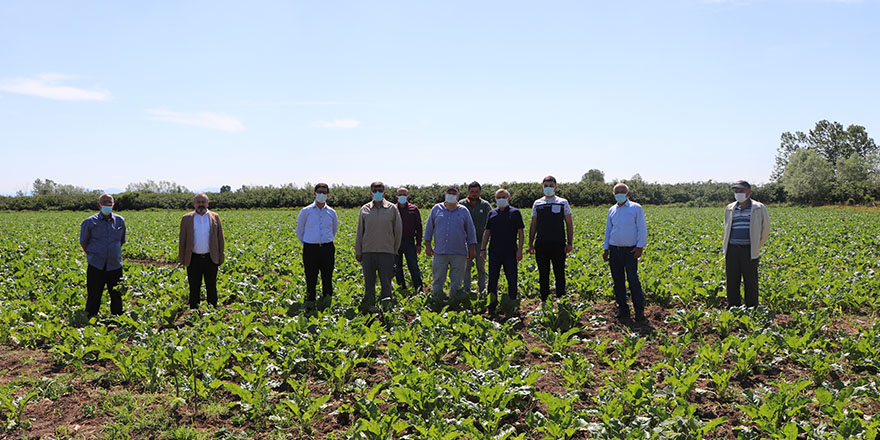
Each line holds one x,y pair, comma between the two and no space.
828,164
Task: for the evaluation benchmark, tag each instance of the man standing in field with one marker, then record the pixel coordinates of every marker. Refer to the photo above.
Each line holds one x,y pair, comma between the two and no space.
316,227
379,230
504,237
101,237
410,242
200,250
551,235
746,229
479,210
456,242
626,235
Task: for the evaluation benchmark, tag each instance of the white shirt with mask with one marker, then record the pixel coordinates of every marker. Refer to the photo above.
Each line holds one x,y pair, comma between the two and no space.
201,233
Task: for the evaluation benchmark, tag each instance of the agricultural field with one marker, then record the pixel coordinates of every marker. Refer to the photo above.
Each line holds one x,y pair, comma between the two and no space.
803,365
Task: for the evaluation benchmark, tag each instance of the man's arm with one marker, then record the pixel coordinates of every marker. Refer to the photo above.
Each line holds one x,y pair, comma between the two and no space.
301,225
181,242
359,237
84,237
521,235
607,242
641,234
429,234
484,242
221,241
398,229
569,226
471,233
533,229
765,225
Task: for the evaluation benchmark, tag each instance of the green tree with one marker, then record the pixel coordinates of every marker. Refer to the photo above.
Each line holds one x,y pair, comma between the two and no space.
225,189
808,177
48,187
593,175
161,187
830,140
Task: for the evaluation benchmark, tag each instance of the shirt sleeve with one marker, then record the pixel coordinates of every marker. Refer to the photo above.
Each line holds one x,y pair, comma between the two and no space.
518,221
470,229
335,222
567,207
429,226
607,242
301,225
765,225
534,208
122,240
84,233
641,228
359,234
418,227
398,229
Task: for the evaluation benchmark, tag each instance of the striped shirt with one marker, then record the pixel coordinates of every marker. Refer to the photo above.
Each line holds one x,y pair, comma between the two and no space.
739,229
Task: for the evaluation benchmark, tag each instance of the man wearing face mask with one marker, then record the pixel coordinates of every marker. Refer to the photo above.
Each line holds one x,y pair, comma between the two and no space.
479,210
316,227
101,237
746,229
551,237
504,237
456,242
626,235
200,250
410,242
376,242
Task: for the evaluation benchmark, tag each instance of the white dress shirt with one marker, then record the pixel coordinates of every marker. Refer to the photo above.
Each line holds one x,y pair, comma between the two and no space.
201,233
316,225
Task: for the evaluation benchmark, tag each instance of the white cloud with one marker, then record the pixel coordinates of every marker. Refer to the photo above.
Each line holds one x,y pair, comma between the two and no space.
210,120
339,123
47,86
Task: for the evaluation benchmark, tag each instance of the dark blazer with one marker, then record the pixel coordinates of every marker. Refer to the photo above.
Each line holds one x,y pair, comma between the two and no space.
215,241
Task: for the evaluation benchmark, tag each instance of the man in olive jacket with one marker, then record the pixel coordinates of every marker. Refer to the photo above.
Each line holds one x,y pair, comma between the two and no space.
746,229
201,250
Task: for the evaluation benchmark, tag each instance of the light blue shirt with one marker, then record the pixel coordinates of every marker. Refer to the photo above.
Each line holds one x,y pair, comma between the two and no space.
316,225
453,230
626,226
103,239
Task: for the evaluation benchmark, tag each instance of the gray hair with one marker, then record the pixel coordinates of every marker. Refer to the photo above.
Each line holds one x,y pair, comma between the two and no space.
500,190
200,195
621,185
105,196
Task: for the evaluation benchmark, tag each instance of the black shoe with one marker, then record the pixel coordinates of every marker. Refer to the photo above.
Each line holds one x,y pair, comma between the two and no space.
492,308
621,315
640,317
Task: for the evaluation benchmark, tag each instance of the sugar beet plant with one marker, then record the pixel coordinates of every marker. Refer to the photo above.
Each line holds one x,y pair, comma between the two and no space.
804,365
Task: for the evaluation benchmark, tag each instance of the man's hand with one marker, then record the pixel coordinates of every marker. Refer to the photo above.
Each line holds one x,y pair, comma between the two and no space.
568,248
531,249
483,255
428,250
605,255
359,258
472,252
418,250
637,252
519,255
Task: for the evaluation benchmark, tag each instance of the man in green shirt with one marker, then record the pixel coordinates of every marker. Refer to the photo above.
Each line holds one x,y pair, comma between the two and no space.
479,210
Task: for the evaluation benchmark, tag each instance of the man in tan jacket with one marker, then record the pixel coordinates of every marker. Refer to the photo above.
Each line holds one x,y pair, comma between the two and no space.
201,250
746,229
379,232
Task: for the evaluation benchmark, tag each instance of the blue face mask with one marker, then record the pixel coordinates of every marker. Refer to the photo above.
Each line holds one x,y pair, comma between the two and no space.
401,199
377,196
106,210
321,197
620,198
549,191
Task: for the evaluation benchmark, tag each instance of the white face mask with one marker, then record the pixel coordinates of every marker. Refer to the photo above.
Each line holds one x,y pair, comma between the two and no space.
740,197
321,198
502,203
451,198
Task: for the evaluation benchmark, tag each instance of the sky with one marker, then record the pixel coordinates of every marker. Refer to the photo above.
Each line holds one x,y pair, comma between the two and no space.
210,93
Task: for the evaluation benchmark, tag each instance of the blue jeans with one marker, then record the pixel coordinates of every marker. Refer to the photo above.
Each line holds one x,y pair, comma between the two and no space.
408,250
624,266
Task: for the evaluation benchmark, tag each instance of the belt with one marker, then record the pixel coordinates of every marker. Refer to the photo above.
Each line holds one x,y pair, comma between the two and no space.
739,245
329,243
201,255
627,248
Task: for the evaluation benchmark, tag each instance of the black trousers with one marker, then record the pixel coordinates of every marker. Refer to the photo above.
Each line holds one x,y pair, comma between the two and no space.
201,267
625,267
96,279
319,258
739,266
545,254
408,250
496,263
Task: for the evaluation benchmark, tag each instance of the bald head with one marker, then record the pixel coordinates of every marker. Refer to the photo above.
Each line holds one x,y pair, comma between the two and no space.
621,188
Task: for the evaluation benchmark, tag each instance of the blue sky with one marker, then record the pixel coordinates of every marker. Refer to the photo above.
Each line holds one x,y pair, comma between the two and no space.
101,94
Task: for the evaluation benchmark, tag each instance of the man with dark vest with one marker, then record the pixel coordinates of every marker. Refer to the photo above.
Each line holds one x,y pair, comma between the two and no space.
200,250
551,234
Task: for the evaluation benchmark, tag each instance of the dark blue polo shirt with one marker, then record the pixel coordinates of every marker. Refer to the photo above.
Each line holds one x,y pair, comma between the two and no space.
502,226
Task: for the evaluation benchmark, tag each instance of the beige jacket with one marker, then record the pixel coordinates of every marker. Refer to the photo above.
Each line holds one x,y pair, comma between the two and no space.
759,227
216,242
379,229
